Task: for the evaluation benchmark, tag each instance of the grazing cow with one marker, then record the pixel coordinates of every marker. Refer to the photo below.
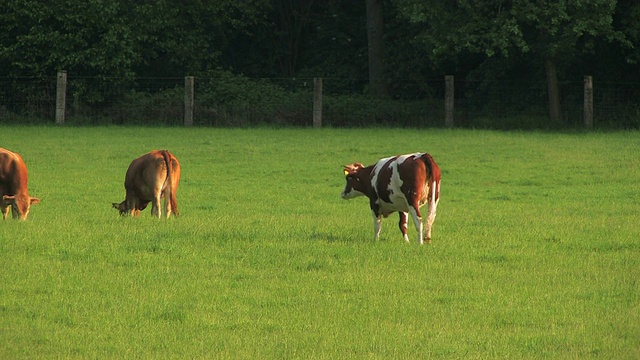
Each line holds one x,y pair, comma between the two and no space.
400,183
150,178
14,186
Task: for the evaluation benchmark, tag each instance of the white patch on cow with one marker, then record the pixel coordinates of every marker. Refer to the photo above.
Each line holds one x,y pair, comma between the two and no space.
433,206
377,226
402,158
405,236
433,192
417,221
377,168
398,201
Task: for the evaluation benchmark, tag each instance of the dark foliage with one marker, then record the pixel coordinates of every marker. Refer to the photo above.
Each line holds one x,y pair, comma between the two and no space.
255,61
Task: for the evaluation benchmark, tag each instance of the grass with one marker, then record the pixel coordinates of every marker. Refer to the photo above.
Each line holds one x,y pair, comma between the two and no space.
535,251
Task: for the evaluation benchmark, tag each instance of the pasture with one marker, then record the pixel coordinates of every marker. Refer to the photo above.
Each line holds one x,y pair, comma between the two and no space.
535,250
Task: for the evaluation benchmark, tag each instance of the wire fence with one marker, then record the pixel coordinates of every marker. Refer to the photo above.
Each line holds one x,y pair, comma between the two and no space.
233,101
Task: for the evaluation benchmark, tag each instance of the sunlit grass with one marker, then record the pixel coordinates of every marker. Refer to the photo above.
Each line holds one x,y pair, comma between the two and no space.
535,251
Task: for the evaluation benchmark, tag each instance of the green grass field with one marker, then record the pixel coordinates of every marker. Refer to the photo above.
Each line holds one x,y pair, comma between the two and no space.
535,250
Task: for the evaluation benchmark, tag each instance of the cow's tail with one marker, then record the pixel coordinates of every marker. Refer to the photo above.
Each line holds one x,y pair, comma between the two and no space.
433,177
172,194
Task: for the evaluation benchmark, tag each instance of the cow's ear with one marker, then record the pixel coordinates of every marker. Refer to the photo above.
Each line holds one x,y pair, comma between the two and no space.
346,172
116,206
34,201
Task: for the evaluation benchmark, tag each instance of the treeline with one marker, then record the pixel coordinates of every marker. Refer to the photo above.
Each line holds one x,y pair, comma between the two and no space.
383,49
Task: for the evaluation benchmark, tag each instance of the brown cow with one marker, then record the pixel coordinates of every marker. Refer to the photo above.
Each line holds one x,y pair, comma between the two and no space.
150,178
402,184
14,186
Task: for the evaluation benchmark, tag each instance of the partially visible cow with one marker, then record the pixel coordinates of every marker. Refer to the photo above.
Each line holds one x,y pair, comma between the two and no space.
14,186
150,178
400,183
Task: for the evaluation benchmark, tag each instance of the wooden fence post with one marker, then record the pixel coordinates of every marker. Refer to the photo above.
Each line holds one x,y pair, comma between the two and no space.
448,101
61,96
588,102
189,102
317,102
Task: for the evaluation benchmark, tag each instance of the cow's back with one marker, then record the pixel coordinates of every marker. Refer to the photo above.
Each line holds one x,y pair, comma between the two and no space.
145,174
401,177
13,172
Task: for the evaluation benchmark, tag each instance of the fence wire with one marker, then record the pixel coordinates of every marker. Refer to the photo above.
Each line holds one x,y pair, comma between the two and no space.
289,102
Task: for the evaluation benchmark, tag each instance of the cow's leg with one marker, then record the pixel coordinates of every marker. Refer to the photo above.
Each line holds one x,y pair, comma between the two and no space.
402,224
167,202
417,221
130,205
5,209
377,225
430,218
156,204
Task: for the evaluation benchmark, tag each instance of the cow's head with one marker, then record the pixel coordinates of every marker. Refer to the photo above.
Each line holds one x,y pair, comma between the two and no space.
355,186
20,205
129,209
121,207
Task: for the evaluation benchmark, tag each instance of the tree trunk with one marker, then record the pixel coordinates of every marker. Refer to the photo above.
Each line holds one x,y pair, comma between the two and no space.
293,16
375,40
554,92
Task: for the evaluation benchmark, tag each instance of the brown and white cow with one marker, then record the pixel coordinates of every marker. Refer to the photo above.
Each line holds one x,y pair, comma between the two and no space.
14,186
150,178
400,183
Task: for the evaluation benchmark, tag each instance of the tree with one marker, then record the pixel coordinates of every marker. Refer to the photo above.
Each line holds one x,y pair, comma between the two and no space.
375,40
627,20
332,44
554,32
290,19
89,38
190,37
119,38
560,31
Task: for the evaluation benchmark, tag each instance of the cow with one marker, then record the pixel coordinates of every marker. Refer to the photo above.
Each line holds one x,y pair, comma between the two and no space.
401,183
14,186
150,178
